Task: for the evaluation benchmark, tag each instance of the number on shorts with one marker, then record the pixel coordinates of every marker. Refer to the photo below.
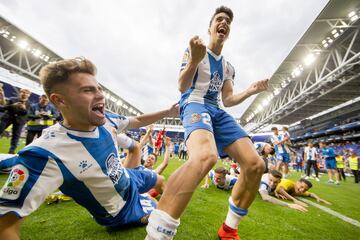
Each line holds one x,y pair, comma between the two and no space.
206,118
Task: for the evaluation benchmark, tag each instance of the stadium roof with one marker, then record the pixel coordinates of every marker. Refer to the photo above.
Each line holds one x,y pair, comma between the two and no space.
321,71
22,54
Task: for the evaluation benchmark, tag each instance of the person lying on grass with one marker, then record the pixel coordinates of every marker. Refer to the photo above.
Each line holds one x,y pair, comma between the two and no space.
289,190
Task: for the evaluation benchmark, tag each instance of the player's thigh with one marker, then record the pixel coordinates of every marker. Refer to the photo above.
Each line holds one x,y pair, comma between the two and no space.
195,116
226,130
244,152
201,145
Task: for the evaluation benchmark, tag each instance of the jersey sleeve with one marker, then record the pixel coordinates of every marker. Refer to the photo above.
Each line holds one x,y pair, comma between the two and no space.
306,194
7,161
30,181
232,181
229,72
124,141
273,139
185,59
263,187
119,122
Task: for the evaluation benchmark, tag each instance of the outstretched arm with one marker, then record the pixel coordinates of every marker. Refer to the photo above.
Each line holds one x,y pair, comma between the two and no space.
230,99
147,137
318,199
284,195
149,118
266,197
10,227
133,158
165,162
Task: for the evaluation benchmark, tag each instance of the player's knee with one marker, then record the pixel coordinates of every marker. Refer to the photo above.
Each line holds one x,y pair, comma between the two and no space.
208,158
255,166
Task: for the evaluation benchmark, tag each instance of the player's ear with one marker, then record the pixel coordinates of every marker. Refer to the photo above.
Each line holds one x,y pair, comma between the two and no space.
57,99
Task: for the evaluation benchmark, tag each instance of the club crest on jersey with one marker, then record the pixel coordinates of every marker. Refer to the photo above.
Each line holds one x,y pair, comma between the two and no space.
13,186
114,168
215,83
195,118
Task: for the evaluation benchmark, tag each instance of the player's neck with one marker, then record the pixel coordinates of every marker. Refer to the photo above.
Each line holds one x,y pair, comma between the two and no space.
215,48
73,125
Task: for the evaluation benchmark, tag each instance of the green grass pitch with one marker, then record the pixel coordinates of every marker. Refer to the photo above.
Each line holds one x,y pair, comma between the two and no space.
205,214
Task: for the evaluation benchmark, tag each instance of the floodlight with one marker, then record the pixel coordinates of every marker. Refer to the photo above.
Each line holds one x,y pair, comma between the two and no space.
354,18
119,102
276,91
23,44
265,103
352,13
36,52
309,59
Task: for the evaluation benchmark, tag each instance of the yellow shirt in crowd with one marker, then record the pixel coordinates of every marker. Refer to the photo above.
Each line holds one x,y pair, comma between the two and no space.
339,161
354,163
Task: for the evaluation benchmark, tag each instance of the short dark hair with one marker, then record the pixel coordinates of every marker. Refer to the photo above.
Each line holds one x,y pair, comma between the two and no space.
59,72
221,170
307,182
276,173
222,9
274,128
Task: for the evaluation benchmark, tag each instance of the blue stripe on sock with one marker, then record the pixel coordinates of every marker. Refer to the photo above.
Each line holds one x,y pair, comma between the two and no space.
238,211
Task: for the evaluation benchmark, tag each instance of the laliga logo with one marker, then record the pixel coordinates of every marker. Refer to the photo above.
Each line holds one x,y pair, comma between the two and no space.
15,182
17,176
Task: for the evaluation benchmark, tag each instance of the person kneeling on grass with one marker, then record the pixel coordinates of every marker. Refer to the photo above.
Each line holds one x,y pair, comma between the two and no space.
289,190
268,184
220,178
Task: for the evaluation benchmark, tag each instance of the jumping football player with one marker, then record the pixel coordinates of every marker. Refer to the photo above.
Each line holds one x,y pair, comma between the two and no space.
205,79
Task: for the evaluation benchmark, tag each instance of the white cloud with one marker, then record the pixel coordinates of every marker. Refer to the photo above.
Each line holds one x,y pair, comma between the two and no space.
138,45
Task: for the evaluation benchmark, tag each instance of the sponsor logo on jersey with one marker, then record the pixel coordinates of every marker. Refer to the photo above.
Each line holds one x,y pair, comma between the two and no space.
114,168
13,186
83,165
215,83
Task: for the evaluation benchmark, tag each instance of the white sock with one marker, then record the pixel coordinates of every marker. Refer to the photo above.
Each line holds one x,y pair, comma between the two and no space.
235,214
161,226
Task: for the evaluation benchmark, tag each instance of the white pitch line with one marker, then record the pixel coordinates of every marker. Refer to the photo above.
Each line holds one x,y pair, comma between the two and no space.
332,212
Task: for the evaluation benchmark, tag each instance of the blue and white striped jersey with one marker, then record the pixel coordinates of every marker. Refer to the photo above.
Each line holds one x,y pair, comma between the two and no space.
229,181
83,165
264,184
259,146
279,148
208,81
